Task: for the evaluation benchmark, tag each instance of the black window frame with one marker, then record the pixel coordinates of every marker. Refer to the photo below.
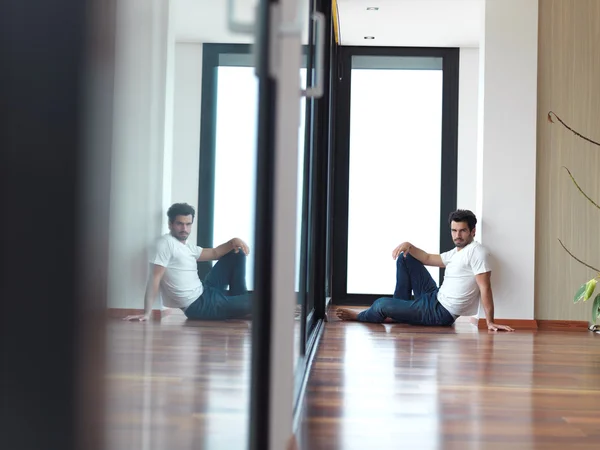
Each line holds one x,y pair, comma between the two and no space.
338,225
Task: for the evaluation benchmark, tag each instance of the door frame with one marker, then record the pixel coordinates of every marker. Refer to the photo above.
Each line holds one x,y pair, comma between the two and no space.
338,245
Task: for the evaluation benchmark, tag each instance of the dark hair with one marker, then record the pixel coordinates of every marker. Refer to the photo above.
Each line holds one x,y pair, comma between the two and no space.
463,215
180,209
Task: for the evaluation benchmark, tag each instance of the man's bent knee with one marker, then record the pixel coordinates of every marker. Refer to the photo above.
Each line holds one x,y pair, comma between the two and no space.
235,255
410,259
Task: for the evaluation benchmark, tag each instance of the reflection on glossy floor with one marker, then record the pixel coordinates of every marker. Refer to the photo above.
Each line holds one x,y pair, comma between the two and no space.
178,384
400,387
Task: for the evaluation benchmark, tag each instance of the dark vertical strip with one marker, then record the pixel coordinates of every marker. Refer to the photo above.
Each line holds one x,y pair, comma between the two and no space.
449,146
260,412
43,58
94,188
341,176
307,256
314,218
304,274
335,72
319,251
208,131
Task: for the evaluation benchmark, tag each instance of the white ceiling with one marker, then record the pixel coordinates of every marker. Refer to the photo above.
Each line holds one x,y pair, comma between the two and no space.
206,20
411,23
400,23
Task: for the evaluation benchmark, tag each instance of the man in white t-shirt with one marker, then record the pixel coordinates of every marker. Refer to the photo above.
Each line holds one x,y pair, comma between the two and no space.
174,272
467,278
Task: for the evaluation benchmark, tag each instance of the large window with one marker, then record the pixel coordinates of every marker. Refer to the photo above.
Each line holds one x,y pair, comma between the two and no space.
228,193
395,163
235,159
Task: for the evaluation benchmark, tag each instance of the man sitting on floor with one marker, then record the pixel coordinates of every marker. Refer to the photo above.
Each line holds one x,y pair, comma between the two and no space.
467,278
174,272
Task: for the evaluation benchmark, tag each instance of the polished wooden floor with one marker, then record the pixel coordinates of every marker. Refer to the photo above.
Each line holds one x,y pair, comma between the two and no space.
401,387
180,384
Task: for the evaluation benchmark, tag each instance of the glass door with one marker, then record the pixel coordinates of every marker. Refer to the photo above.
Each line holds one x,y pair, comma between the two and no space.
279,53
312,204
396,163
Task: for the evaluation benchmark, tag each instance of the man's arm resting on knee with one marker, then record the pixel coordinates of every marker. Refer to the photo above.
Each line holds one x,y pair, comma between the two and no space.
487,299
425,258
213,254
152,287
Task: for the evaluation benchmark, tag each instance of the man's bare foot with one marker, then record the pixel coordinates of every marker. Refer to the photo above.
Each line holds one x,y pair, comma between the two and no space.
346,314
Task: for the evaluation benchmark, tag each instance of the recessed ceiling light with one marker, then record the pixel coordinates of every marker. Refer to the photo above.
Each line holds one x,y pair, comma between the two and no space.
373,8
369,37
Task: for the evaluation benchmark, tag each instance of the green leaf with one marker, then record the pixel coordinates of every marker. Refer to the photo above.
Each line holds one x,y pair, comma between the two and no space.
591,286
585,291
580,292
596,309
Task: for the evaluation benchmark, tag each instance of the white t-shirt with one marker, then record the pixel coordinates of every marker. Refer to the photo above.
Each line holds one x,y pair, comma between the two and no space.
459,292
180,285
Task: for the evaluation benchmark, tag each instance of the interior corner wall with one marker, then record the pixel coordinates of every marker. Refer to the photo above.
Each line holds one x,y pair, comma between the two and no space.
468,106
509,54
186,126
569,85
137,176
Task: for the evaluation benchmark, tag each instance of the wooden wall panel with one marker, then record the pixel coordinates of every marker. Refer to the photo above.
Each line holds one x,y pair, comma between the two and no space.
569,84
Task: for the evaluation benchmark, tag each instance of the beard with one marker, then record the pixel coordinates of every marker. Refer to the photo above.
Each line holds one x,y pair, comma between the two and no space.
460,243
181,236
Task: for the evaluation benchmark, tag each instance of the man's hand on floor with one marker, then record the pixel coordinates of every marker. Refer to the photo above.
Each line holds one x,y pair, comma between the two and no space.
138,317
495,327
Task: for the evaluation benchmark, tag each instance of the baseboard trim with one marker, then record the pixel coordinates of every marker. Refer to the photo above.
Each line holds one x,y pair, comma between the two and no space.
120,313
563,325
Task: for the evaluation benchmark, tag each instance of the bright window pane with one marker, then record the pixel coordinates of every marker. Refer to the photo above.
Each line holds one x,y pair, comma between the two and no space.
395,172
235,161
300,185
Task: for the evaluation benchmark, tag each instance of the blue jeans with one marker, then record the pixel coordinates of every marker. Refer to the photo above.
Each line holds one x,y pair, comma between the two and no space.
214,304
411,275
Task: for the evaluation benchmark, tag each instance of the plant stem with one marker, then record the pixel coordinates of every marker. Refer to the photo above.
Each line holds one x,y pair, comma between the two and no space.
569,128
581,190
577,259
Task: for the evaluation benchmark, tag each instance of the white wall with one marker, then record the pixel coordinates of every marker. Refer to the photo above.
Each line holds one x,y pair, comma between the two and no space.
167,41
186,129
156,127
140,177
467,128
508,151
